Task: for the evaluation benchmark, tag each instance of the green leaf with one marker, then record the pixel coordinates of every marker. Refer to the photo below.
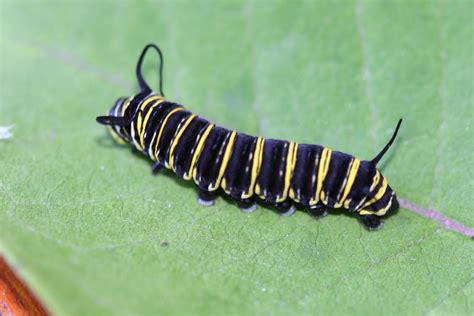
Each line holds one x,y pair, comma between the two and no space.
93,232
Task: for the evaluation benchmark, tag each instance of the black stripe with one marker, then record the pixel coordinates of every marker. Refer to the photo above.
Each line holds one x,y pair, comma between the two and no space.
187,142
239,168
210,161
307,162
337,172
270,180
118,106
382,203
169,131
362,183
154,129
155,120
130,112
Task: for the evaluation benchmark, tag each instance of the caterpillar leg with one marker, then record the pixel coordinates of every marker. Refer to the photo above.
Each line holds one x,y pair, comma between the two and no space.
371,222
205,198
319,211
246,205
285,208
156,167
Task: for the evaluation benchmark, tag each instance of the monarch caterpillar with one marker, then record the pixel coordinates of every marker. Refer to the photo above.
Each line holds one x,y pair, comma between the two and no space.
280,173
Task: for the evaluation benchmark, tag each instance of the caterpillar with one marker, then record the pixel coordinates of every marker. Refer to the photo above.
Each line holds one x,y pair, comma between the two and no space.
280,174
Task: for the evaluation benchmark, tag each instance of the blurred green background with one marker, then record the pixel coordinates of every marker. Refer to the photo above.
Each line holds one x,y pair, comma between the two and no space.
89,228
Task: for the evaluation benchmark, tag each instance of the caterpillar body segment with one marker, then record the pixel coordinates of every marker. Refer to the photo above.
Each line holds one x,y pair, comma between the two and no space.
279,173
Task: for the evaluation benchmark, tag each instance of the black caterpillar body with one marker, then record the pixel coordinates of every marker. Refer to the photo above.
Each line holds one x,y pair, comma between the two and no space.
280,173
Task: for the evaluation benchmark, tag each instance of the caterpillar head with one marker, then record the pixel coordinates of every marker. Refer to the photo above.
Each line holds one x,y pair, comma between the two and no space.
125,110
118,121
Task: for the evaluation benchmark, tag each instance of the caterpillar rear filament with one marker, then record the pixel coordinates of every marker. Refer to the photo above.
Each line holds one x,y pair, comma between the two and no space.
282,174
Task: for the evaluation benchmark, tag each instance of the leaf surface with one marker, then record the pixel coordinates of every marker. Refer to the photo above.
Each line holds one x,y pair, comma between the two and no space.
92,231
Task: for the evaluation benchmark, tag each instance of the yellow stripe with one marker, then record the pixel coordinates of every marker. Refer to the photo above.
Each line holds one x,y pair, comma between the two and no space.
225,161
293,165
350,181
347,203
291,194
127,103
224,186
133,125
379,194
116,136
175,141
140,130
256,162
260,159
322,172
343,185
197,152
162,128
142,107
384,210
380,212
288,171
323,198
295,152
375,181
260,156
145,121
374,184
124,108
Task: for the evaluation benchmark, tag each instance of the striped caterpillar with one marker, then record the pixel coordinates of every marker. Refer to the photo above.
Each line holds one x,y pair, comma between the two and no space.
280,173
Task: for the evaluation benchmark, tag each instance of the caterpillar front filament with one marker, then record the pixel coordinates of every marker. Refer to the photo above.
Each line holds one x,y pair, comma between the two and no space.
280,173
